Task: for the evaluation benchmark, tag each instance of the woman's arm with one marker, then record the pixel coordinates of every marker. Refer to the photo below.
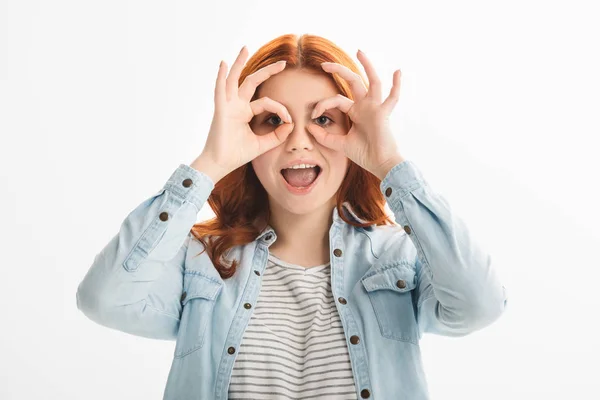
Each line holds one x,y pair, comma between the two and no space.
458,289
135,283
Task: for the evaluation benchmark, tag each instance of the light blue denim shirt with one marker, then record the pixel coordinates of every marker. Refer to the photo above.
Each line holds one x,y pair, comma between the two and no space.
390,283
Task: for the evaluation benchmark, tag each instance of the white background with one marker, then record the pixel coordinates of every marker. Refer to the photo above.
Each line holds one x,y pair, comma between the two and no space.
499,106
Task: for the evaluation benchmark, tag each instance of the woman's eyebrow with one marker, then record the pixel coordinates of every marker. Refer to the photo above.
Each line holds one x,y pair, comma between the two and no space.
311,106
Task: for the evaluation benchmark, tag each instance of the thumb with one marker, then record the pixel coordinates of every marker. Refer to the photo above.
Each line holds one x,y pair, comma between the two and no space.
334,142
275,137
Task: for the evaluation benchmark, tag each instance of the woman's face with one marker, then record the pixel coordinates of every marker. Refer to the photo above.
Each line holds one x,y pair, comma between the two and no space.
298,91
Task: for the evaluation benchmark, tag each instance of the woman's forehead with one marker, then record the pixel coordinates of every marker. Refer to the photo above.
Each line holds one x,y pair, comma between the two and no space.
298,88
299,78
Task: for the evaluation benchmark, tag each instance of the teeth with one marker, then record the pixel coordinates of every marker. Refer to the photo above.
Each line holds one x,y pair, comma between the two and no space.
298,166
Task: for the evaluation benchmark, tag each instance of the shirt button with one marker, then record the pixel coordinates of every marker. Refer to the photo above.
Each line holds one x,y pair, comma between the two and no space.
164,216
256,272
337,252
354,339
183,296
231,350
401,284
247,306
388,192
187,182
342,300
268,237
365,394
407,229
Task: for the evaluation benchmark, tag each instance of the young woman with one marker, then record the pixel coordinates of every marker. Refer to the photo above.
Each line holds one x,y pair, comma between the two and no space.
301,287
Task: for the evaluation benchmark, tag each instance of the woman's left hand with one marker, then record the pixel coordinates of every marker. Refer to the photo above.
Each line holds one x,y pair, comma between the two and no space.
369,142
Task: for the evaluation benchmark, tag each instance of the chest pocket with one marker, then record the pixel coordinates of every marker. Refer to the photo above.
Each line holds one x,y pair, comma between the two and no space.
198,302
391,291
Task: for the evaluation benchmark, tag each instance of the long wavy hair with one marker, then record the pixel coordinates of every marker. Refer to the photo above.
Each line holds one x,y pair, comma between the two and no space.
239,200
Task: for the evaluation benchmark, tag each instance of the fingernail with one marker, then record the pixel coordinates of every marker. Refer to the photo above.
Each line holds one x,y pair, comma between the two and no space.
360,51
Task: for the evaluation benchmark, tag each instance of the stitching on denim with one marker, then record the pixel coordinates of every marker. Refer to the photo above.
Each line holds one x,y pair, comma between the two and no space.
389,264
200,273
417,241
182,335
137,247
399,337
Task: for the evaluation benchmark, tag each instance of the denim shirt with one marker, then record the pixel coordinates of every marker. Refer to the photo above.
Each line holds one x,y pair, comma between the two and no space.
391,284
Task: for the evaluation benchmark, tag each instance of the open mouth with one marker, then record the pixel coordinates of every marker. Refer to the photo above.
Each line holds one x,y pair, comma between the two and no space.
301,178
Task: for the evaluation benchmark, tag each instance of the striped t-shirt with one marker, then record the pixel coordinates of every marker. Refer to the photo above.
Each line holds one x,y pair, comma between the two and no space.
294,346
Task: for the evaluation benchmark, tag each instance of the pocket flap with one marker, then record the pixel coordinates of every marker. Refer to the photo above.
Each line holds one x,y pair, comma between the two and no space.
196,285
400,278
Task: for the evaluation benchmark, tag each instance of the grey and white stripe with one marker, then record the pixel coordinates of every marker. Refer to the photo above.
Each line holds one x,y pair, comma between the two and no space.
294,346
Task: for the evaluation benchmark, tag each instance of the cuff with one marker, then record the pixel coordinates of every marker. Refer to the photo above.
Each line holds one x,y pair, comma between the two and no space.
401,179
190,185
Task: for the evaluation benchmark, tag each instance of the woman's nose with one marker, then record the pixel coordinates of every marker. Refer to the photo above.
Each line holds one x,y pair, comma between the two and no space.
300,137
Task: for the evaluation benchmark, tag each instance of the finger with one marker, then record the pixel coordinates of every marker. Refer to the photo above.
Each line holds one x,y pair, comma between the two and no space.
234,74
330,140
392,99
274,138
357,85
267,104
251,82
339,101
221,84
374,81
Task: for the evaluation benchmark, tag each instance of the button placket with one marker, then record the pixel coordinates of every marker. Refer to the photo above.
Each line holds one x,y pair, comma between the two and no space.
354,339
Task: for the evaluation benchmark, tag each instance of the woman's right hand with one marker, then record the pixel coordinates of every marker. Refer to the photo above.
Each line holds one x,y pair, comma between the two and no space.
231,142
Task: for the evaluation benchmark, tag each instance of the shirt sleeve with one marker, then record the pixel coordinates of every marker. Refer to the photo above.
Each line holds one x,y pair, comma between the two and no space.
135,283
458,288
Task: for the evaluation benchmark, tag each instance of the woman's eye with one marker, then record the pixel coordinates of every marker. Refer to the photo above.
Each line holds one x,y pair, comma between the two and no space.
322,120
274,116
324,123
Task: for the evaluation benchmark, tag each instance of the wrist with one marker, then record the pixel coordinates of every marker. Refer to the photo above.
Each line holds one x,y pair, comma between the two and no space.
208,167
388,165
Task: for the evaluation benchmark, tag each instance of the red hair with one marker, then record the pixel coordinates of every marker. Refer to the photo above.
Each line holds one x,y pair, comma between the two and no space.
239,200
